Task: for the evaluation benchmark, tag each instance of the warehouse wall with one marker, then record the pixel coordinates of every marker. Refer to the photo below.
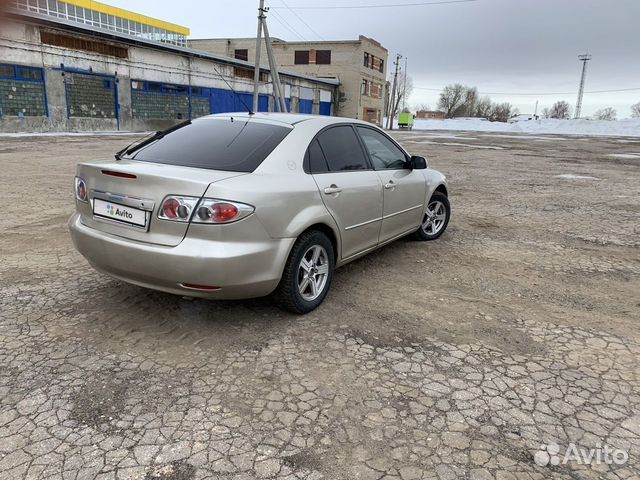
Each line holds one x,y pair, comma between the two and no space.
88,91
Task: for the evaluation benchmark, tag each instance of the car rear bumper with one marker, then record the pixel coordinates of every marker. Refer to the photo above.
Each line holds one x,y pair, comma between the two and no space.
242,269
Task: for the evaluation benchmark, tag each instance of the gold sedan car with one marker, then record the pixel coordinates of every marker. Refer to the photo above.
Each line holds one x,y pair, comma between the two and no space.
235,206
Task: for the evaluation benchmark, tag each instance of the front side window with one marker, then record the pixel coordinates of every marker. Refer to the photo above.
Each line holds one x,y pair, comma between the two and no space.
384,154
342,149
230,144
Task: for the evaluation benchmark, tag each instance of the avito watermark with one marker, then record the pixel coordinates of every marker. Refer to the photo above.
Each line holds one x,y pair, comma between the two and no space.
551,454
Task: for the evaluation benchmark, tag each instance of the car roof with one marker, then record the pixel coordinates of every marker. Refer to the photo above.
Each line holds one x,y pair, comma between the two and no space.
291,118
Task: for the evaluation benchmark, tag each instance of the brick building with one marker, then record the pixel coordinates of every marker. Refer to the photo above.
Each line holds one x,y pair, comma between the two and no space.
432,114
359,65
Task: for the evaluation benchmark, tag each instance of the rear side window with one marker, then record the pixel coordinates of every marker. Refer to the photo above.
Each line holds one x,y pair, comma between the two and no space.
240,145
317,161
342,149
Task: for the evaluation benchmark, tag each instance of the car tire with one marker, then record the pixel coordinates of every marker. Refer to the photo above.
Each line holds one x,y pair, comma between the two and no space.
435,221
304,285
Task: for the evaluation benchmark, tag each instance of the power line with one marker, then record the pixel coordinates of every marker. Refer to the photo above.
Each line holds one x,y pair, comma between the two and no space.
286,24
392,5
302,20
533,94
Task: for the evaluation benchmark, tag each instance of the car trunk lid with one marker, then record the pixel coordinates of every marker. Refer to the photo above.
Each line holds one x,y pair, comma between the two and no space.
125,195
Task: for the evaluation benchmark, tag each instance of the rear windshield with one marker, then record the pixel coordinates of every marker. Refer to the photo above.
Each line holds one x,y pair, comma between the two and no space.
237,145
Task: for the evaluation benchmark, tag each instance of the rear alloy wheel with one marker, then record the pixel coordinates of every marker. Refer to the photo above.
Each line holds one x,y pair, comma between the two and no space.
436,217
307,274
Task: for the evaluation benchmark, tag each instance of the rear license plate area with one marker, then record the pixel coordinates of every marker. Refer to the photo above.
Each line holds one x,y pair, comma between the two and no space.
118,213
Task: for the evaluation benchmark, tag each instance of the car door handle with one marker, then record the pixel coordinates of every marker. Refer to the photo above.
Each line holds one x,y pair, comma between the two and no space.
332,189
389,185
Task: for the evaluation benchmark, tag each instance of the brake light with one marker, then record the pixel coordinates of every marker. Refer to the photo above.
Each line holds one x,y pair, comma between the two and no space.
177,208
80,188
118,174
220,211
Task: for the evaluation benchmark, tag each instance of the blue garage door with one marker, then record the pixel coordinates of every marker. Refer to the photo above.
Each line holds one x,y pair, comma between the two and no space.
325,108
305,106
223,101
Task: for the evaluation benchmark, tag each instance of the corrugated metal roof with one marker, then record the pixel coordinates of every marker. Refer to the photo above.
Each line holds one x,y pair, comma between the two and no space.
142,42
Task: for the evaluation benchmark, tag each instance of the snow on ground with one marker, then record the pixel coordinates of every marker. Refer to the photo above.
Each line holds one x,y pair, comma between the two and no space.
627,128
626,156
572,176
429,136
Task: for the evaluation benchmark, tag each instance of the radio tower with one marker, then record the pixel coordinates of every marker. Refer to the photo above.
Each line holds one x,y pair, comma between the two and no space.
584,59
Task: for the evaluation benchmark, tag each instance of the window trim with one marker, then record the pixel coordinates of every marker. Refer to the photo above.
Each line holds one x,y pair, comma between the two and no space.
305,162
369,127
16,73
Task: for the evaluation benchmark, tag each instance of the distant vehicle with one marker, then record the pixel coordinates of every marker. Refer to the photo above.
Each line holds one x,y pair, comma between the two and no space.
523,117
237,205
405,120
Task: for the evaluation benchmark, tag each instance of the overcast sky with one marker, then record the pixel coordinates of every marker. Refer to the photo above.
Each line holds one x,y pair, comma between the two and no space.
500,46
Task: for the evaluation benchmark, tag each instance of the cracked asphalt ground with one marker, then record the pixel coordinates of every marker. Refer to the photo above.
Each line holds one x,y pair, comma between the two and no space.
451,359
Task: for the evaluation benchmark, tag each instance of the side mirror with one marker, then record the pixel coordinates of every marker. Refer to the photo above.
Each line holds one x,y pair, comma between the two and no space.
418,163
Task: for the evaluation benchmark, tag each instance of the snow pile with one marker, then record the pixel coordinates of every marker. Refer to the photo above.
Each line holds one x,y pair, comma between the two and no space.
627,128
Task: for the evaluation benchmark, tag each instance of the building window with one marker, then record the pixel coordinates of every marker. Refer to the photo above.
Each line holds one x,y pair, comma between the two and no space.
242,54
240,72
381,66
323,57
363,88
366,59
301,57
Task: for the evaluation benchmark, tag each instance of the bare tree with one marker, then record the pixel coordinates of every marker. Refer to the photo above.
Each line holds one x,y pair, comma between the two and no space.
468,108
500,112
452,99
608,113
560,110
422,107
404,89
635,110
483,108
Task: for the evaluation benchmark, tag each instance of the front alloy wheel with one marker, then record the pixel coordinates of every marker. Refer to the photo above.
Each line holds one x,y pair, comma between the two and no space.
436,217
307,275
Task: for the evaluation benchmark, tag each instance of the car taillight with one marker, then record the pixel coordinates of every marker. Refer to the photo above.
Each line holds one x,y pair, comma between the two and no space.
80,187
177,208
211,210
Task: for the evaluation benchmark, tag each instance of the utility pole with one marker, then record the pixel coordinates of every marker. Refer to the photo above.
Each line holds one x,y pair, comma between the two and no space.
584,59
256,75
404,86
278,91
392,109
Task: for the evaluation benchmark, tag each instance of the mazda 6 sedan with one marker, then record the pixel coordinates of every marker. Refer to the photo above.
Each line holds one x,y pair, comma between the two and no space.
243,205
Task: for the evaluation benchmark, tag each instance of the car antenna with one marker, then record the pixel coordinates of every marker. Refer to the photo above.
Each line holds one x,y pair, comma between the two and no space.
251,112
